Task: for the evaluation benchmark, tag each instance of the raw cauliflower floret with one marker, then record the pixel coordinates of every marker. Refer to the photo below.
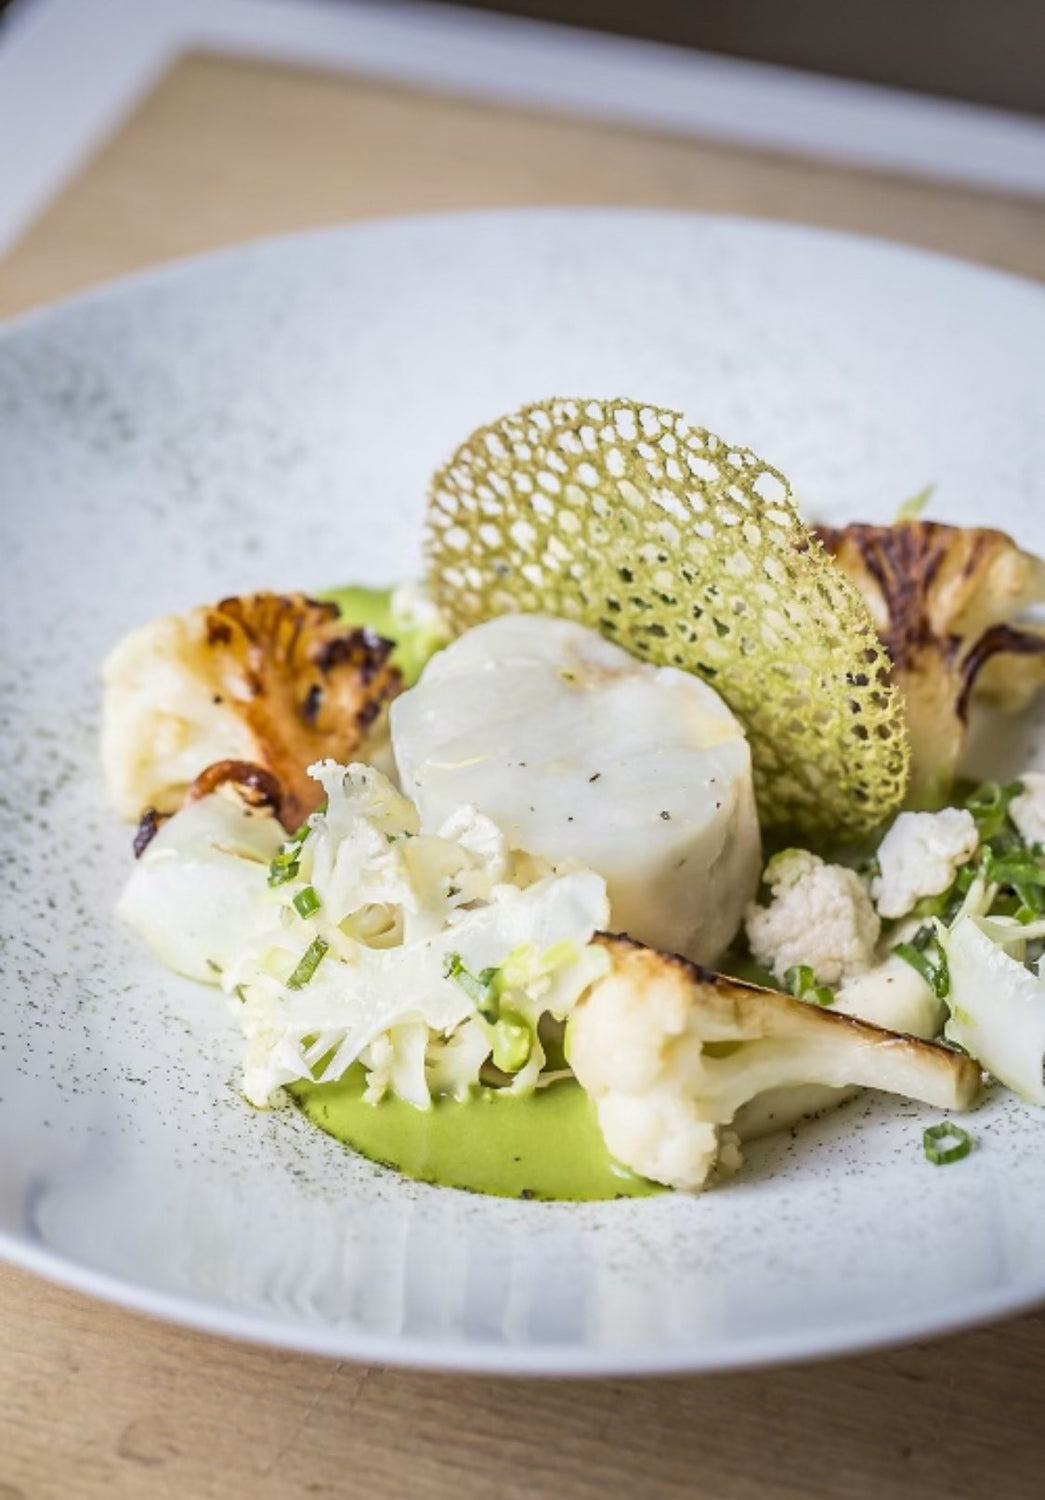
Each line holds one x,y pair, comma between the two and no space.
819,915
920,856
1027,811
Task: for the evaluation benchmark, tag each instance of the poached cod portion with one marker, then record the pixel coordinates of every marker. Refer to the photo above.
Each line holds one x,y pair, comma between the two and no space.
580,752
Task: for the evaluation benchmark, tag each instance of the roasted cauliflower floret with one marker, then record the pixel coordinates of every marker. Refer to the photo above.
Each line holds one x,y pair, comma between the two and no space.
819,915
671,1052
947,602
273,680
920,856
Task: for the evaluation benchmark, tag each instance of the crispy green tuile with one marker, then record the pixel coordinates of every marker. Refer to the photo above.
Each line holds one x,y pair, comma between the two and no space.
689,553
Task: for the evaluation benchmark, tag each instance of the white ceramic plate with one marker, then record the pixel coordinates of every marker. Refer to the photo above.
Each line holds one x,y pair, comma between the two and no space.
268,418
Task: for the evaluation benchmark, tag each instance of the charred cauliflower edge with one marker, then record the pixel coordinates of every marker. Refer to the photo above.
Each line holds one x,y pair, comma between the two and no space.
253,690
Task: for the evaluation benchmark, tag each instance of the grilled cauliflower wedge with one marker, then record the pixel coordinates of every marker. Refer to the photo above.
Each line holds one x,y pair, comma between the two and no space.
671,1053
580,752
947,602
274,680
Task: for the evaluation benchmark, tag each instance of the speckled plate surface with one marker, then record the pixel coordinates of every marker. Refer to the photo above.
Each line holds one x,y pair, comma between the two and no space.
268,418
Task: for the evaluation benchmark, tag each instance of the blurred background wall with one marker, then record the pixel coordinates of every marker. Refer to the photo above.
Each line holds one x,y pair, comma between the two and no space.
983,51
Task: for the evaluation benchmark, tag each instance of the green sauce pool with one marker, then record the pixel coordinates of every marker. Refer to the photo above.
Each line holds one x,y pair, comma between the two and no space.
541,1145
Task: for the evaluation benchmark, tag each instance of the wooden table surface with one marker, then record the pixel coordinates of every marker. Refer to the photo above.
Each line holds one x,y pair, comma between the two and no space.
98,1402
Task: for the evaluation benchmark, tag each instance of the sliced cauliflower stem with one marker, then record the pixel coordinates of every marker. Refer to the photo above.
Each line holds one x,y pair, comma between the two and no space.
920,856
947,603
997,1003
818,915
274,680
891,995
671,1052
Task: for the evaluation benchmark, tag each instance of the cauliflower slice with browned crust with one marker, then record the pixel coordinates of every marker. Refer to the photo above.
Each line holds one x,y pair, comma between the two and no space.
947,602
270,680
670,1053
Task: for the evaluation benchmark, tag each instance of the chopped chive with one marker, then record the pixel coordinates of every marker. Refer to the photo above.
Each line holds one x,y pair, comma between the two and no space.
989,805
310,962
925,955
284,867
1018,870
1032,902
512,1043
947,904
287,862
306,902
945,1143
933,906
1014,871
801,982
484,988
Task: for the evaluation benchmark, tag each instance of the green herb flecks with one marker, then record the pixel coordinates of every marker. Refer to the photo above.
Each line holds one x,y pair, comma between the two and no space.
989,805
946,905
306,902
945,1143
309,963
925,954
801,982
512,1042
484,988
287,862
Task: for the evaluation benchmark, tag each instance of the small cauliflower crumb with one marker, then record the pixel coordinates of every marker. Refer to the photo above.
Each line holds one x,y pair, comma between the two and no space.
1027,811
920,856
820,915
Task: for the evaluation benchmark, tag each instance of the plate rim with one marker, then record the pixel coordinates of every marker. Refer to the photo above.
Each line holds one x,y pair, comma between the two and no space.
176,266
687,1356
